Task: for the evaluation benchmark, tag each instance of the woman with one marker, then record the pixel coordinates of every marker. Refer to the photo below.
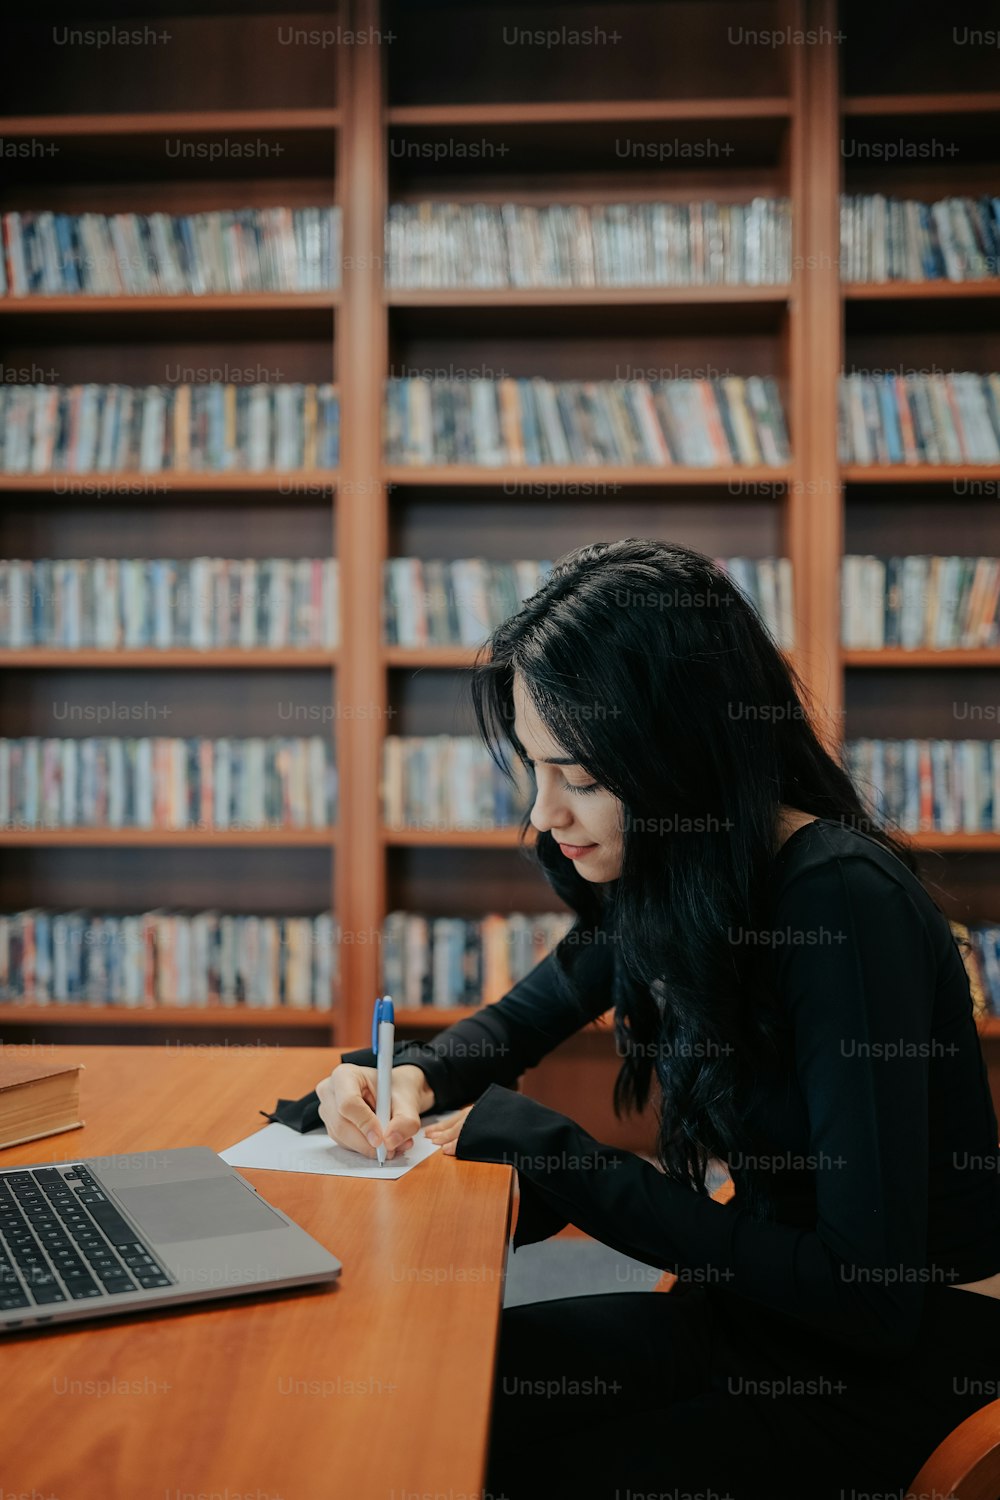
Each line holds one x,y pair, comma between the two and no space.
793,1000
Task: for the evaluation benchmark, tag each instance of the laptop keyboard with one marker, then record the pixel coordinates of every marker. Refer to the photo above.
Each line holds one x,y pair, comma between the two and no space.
62,1240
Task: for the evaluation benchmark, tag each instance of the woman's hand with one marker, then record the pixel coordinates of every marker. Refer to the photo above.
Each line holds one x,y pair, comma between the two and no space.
445,1133
347,1108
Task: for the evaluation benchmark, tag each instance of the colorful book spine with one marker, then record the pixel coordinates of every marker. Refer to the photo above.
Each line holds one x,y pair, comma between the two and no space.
160,782
201,603
168,959
440,782
534,422
155,429
929,785
514,245
920,603
221,251
457,961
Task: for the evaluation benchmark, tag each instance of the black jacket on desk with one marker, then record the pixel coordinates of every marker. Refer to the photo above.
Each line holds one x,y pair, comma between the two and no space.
884,1172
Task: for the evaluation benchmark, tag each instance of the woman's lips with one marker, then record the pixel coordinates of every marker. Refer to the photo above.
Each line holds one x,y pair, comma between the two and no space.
576,851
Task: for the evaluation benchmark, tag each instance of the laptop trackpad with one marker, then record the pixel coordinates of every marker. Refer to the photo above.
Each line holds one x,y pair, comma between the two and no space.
200,1209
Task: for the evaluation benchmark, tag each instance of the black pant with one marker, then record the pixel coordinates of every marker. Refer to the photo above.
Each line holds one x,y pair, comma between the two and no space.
695,1395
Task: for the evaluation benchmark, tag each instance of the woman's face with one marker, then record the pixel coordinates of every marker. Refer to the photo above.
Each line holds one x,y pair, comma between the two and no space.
586,822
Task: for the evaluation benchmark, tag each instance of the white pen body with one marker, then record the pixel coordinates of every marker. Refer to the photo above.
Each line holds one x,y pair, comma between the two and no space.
383,1082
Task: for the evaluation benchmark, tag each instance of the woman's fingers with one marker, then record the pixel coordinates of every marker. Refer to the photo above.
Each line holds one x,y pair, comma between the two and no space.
445,1132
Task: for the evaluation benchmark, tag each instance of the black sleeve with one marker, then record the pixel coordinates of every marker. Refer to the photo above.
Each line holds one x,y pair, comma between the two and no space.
496,1044
858,1277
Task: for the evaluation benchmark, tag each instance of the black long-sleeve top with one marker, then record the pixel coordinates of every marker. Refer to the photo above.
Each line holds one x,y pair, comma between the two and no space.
882,1172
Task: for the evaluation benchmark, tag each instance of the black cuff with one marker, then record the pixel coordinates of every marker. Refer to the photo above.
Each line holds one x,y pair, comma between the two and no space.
301,1114
499,1118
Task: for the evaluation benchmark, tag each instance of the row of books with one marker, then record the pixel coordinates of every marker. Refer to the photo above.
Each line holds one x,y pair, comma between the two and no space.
979,945
900,239
156,428
444,961
731,420
442,781
167,958
162,782
933,785
134,255
211,603
942,418
938,603
436,602
946,418
450,244
201,603
594,244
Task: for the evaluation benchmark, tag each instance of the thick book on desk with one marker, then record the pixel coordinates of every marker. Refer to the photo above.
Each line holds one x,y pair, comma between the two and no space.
37,1099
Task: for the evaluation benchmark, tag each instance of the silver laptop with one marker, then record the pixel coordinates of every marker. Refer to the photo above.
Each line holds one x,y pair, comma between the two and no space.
88,1238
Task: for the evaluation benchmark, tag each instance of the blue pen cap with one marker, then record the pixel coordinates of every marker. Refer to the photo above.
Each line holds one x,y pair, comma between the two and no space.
383,1012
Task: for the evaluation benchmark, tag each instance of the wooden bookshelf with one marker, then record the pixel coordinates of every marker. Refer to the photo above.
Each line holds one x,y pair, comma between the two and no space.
613,111
630,475
546,130
299,482
235,303
897,656
452,838
40,657
587,297
918,473
153,838
238,1017
916,291
987,103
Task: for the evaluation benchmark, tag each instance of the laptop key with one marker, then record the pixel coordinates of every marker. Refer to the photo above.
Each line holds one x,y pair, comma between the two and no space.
112,1224
79,1289
50,1292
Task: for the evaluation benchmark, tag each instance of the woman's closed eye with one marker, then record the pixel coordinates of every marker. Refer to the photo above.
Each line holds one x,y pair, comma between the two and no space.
592,786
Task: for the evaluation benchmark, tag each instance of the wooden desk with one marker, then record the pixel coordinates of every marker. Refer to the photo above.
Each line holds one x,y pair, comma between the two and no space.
373,1389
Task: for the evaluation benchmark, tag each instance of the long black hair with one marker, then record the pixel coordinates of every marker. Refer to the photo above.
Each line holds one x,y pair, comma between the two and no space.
653,671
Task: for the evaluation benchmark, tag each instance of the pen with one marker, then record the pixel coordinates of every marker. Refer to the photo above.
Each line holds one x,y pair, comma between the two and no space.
383,1041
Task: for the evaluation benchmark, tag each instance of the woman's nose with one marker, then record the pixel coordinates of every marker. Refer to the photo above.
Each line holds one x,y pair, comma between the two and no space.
546,811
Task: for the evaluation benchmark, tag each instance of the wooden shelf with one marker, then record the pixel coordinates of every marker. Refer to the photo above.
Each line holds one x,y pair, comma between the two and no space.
579,474
153,838
916,473
201,122
895,656
242,1016
957,843
454,838
507,838
590,111
586,296
428,656
298,482
44,658
434,1017
84,304
915,291
922,104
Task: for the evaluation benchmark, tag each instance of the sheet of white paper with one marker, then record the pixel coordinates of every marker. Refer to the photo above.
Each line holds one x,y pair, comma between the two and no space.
279,1148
